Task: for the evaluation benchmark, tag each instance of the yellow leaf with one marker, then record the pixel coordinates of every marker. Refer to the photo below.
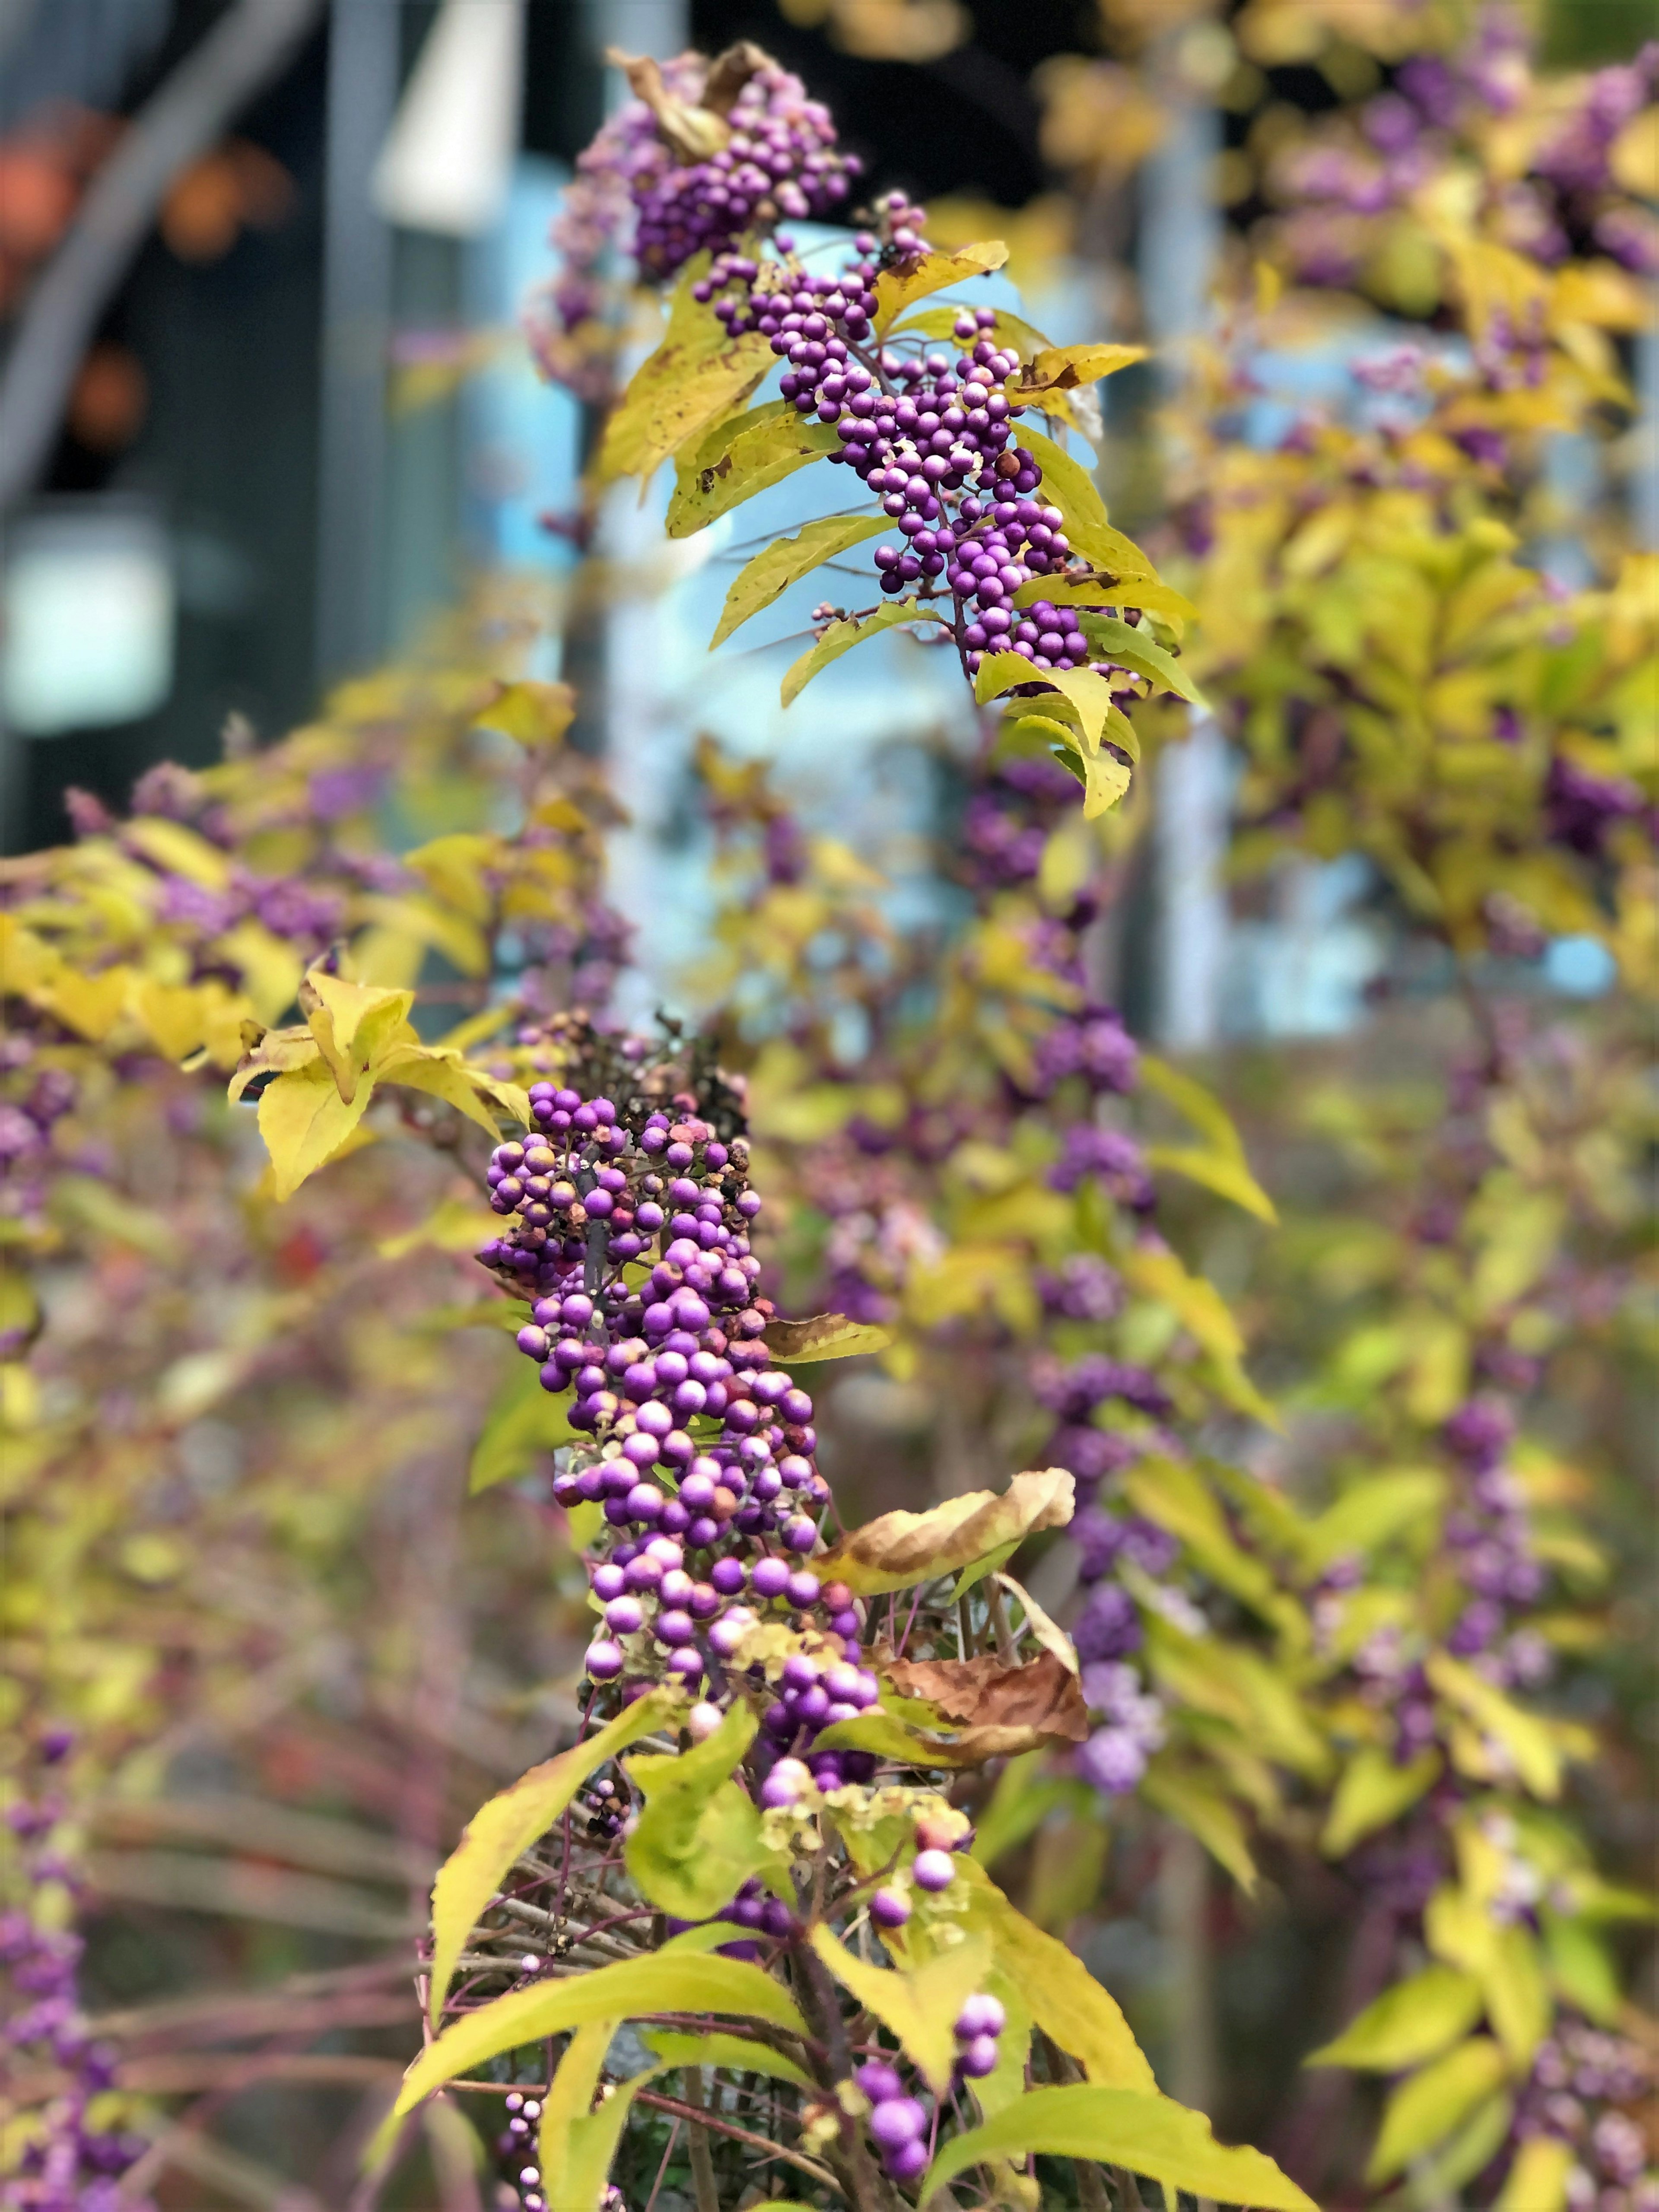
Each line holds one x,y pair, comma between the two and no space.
918,2005
698,374
304,1122
500,1831
1537,2182
1425,2108
899,288
1525,1739
534,714
91,1004
1066,2000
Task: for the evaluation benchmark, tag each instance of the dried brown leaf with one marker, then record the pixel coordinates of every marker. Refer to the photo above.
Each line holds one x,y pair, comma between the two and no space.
897,1550
983,1693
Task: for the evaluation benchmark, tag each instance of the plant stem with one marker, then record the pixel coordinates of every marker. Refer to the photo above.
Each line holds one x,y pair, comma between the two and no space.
702,2161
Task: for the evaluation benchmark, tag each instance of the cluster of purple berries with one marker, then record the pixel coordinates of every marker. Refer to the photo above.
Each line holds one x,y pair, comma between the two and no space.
932,436
779,160
1488,1536
638,1244
1581,2077
68,2166
900,2125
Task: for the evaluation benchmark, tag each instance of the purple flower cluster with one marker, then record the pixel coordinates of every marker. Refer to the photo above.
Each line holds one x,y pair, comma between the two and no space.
1581,810
43,1094
899,2124
1489,1541
67,2163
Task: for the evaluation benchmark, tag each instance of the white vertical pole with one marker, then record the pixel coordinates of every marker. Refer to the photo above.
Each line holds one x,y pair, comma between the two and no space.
362,93
1179,233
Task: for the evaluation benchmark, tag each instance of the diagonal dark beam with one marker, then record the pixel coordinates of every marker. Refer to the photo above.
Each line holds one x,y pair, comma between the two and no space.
188,114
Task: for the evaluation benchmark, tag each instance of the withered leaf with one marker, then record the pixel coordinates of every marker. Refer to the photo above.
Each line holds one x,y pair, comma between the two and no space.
1042,1695
897,1550
823,1336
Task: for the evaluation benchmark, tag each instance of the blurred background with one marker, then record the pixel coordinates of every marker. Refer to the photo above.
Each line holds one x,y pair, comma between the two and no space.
267,416
265,438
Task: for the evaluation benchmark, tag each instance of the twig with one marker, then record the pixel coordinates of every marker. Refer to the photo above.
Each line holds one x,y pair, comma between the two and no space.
703,2183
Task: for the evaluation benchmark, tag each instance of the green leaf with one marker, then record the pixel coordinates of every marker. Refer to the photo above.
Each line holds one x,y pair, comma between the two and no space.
665,1982
841,636
1582,1967
1065,2000
1205,1813
785,561
823,1336
569,2096
1424,2110
1114,639
1414,2020
1228,1178
741,456
1069,486
695,376
897,289
524,1421
1149,2135
1374,1512
500,1831
1022,1801
698,1838
918,2005
897,1550
736,2053
587,2152
1373,1791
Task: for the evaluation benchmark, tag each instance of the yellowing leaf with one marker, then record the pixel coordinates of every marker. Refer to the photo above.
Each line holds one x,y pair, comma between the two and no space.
1375,1510
824,1336
1065,1999
304,1122
899,288
567,2101
500,1831
665,1982
91,1004
1424,2110
736,2053
1068,486
918,2005
1526,1740
1373,1791
1414,2020
1133,648
1228,1178
896,1550
1064,369
1518,1996
841,636
1149,2135
1537,2182
534,714
785,561
741,457
698,374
